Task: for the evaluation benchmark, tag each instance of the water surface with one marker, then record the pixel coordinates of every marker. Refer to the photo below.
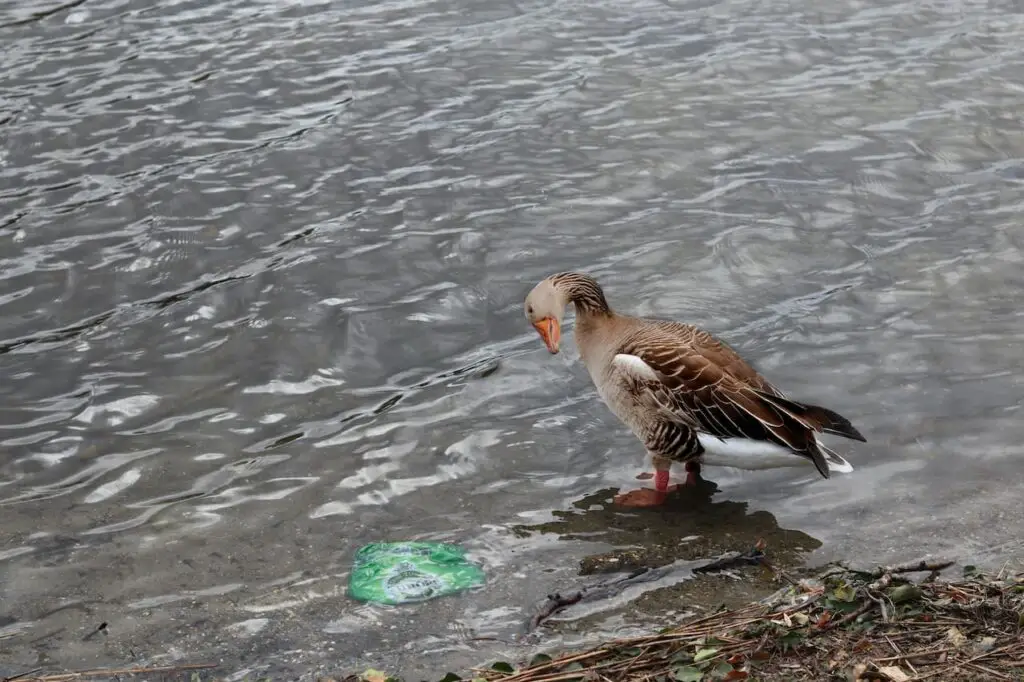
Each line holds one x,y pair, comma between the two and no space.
262,270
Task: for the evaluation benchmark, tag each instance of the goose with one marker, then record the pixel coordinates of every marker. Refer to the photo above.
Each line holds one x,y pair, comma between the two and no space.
686,395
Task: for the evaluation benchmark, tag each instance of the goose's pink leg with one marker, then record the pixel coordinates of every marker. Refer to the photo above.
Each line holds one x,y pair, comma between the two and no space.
692,472
646,497
661,480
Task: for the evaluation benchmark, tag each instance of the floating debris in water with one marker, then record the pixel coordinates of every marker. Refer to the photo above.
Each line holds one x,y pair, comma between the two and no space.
407,572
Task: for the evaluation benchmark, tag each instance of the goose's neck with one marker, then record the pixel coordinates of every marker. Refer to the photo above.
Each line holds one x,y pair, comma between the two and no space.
585,293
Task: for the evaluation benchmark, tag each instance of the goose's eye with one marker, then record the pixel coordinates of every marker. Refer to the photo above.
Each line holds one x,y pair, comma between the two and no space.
530,310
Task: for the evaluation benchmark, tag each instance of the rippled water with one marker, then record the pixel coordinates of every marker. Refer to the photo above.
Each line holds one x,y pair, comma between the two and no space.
262,268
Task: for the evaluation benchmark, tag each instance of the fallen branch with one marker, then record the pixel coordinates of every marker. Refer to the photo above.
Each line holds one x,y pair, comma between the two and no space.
912,567
603,590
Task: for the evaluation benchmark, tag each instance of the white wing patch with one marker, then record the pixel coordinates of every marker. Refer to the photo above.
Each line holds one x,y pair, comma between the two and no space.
631,364
741,453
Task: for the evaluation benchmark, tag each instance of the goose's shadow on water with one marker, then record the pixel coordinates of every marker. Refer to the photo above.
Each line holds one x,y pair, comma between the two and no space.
687,531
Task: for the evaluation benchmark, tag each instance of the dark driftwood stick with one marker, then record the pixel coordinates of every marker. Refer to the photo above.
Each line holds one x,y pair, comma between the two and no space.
557,602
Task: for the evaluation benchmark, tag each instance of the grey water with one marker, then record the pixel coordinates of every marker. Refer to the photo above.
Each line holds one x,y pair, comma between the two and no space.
262,265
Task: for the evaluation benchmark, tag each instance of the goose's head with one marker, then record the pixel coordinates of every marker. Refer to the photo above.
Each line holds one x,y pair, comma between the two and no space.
545,306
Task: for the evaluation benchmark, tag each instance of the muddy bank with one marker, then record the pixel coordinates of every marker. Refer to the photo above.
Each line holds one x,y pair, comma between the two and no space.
899,623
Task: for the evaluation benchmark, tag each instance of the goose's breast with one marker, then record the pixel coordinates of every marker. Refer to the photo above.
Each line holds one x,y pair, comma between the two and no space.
621,400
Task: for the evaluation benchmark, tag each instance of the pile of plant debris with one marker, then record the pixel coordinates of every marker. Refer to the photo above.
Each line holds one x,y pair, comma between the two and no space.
843,624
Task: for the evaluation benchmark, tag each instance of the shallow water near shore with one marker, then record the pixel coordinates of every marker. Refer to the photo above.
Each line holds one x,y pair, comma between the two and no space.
263,266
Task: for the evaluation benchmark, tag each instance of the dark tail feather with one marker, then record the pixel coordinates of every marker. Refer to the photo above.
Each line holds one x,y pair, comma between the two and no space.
818,457
838,424
827,460
820,418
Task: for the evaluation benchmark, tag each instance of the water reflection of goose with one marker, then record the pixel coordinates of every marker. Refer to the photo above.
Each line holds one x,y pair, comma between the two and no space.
675,540
686,395
689,525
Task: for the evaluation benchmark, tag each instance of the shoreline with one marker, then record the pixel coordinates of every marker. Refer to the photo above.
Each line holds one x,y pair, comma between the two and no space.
900,623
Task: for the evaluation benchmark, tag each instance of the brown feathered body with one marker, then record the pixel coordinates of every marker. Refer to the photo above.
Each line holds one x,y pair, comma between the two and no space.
689,396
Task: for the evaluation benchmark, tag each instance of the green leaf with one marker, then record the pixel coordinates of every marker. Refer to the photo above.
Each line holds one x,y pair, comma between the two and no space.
575,665
451,677
844,593
704,654
843,606
720,670
688,673
539,659
503,667
791,639
905,593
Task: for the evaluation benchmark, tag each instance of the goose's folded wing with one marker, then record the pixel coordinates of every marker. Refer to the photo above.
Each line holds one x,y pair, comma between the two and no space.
665,334
684,384
697,391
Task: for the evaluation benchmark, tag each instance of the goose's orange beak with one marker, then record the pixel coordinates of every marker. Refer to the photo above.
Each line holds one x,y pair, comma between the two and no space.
550,332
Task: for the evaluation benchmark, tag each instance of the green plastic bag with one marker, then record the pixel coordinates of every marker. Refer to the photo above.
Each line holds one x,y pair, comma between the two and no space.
406,572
